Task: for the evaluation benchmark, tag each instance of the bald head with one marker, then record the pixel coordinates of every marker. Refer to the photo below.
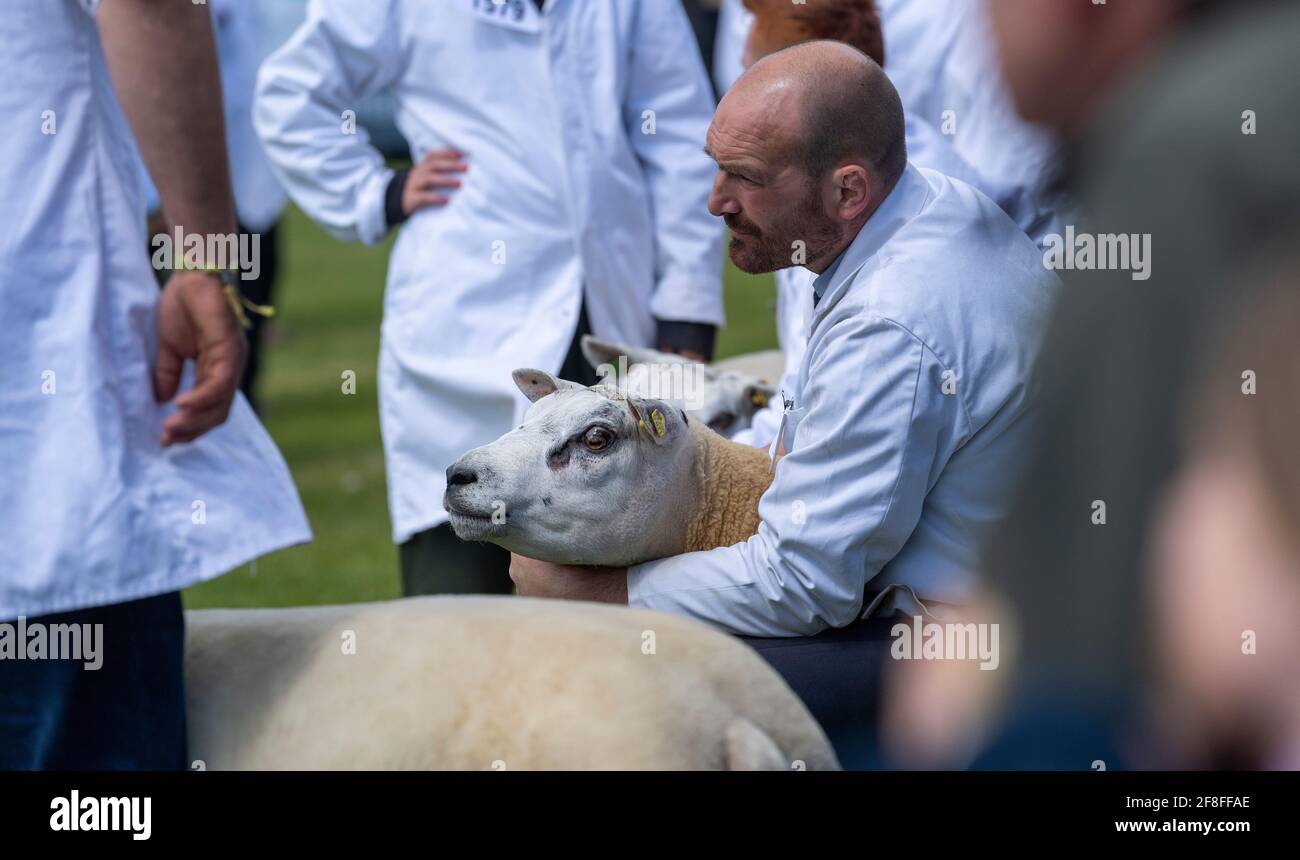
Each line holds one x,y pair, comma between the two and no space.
845,109
808,144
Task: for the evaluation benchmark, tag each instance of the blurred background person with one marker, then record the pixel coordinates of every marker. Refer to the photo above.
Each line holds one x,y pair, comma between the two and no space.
703,18
1181,119
734,21
259,198
132,466
943,59
1225,550
560,186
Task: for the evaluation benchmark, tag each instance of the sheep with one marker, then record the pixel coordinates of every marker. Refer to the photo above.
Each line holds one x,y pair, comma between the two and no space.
724,396
483,683
516,683
598,476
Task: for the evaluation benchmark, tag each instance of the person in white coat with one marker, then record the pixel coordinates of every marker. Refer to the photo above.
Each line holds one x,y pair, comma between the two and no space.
117,490
559,186
734,20
913,399
777,25
943,61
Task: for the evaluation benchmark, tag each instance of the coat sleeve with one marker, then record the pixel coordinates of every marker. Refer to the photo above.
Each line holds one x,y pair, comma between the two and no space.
843,502
667,111
345,51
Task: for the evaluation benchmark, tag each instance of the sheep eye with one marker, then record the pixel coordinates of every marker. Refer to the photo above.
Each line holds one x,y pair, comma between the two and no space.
597,438
722,421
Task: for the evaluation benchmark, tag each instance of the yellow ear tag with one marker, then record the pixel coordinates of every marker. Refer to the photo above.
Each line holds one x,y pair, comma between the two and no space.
759,399
660,425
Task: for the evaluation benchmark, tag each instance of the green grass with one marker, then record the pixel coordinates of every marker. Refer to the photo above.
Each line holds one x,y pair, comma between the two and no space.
328,306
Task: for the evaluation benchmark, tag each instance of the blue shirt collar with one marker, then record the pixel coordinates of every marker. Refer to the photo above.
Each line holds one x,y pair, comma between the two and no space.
822,281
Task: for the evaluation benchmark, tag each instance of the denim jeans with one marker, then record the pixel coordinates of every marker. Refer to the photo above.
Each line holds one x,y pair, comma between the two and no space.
128,714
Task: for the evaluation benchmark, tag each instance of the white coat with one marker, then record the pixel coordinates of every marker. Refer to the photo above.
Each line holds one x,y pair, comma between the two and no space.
912,406
93,511
583,129
941,57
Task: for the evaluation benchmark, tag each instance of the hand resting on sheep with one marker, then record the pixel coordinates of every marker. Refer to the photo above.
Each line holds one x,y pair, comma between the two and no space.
516,683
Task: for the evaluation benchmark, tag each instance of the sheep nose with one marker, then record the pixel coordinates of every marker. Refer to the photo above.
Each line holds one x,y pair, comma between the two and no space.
458,475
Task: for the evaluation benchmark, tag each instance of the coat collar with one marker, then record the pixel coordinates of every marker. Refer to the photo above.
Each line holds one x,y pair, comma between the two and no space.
902,204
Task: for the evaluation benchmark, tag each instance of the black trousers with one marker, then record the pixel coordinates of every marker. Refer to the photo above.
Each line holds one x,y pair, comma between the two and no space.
837,674
260,290
435,561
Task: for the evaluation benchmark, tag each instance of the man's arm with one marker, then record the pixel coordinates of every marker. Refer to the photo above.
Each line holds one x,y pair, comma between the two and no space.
533,578
667,78
844,500
163,62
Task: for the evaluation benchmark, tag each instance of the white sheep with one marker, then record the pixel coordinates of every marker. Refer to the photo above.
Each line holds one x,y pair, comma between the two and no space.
597,476
515,683
479,683
725,395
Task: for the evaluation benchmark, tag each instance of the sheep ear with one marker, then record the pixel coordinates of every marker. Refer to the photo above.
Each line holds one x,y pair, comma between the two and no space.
656,419
536,384
598,352
758,395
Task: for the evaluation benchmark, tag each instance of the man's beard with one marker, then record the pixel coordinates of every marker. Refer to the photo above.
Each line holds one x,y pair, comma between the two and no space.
756,251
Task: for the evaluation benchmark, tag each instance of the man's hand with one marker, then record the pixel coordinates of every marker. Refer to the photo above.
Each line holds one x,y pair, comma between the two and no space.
194,321
535,578
440,168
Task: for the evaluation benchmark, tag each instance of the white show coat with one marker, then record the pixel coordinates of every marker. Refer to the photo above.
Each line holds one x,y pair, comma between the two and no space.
734,21
941,57
793,286
566,190
910,418
259,198
93,510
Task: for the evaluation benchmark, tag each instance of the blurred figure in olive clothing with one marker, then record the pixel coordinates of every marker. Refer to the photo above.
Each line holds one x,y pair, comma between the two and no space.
1171,152
1182,120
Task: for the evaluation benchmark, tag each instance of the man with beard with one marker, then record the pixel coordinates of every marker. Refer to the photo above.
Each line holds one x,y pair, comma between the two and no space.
913,398
780,24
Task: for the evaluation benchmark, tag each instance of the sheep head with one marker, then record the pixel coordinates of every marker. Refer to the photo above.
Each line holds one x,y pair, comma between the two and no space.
723,400
594,476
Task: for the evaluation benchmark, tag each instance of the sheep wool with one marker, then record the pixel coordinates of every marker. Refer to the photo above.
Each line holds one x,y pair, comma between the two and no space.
485,683
732,477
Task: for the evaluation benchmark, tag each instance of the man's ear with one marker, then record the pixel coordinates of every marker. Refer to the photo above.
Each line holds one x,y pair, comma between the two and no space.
656,419
853,188
536,384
